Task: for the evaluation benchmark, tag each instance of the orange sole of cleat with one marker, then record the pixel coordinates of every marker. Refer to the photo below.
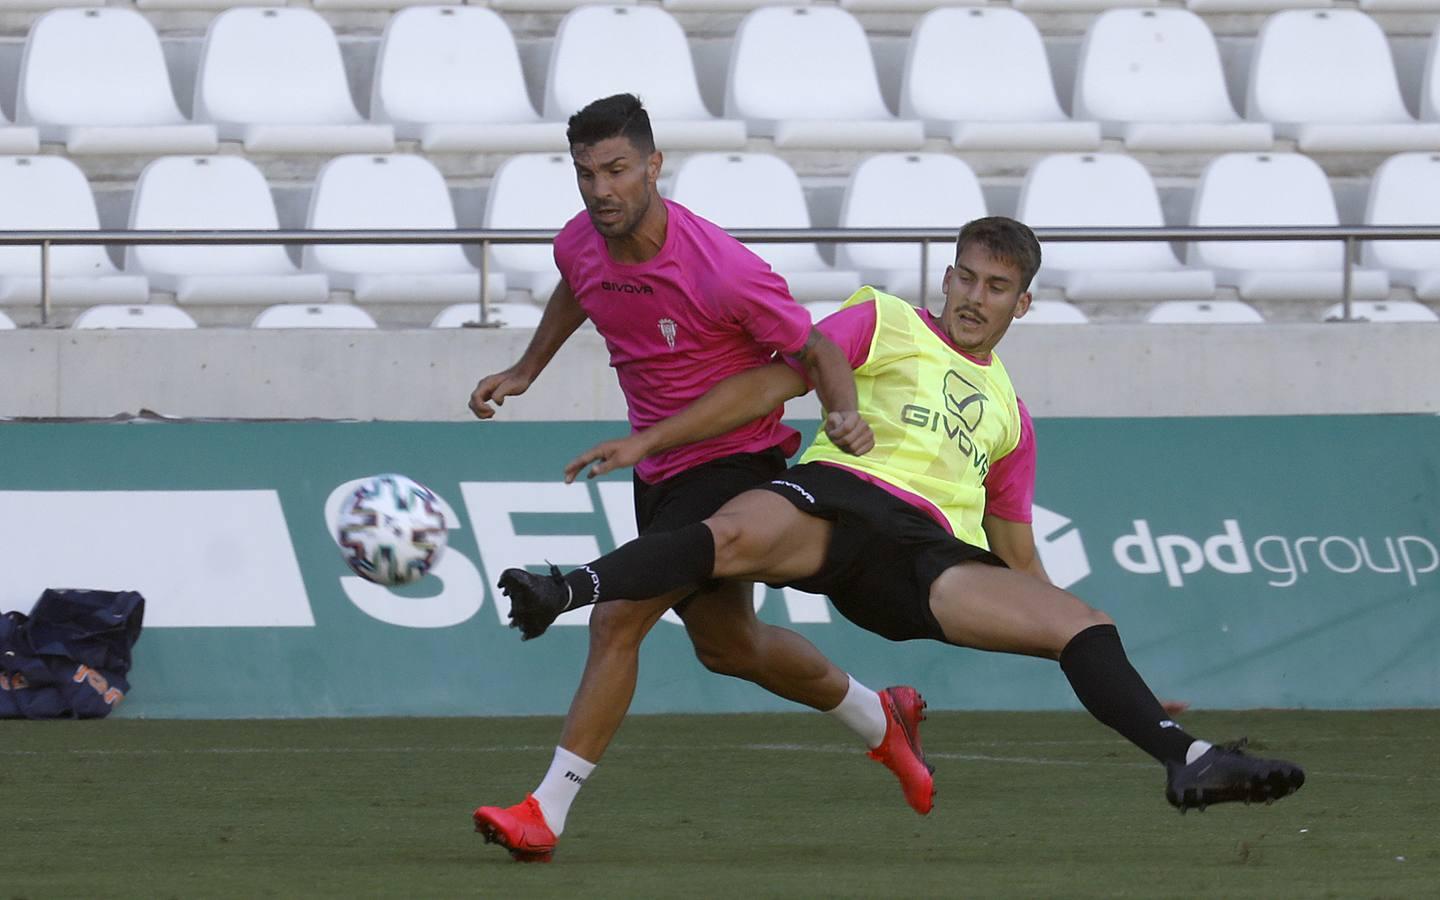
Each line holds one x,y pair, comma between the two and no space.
525,856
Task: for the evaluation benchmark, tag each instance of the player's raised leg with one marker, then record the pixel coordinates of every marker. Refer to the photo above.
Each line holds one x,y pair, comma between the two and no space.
993,608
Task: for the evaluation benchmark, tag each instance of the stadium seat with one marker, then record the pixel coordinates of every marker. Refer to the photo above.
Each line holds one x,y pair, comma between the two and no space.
726,5
214,193
396,191
201,4
805,77
1253,6
450,78
17,138
531,190
502,315
1383,311
1052,312
544,5
114,315
312,315
1077,6
1326,79
1430,81
273,79
1152,77
756,190
51,193
95,80
907,190
602,50
1098,190
1406,191
6,323
1262,189
997,94
1203,312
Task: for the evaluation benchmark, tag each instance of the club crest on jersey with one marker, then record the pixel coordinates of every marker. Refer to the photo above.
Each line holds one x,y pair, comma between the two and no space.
667,330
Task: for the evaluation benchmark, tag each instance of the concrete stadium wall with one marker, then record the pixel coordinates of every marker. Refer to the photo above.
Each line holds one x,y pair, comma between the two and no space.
427,375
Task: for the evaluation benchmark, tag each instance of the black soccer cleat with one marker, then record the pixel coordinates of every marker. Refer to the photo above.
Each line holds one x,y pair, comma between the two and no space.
1226,774
535,600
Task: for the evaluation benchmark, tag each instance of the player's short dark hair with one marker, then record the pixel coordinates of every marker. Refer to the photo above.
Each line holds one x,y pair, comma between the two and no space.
608,117
1007,240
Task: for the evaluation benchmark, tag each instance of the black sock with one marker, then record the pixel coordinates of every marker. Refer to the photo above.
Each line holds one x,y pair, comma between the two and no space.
1114,693
648,566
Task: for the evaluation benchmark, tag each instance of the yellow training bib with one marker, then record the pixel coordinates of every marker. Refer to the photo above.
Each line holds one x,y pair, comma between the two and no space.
939,419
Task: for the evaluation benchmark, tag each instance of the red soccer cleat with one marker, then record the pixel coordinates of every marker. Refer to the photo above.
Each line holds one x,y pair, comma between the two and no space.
521,829
900,750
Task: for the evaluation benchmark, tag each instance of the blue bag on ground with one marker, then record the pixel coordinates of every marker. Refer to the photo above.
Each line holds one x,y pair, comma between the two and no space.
69,657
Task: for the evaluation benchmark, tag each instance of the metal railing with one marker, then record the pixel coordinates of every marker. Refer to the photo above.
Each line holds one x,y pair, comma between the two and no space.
1350,236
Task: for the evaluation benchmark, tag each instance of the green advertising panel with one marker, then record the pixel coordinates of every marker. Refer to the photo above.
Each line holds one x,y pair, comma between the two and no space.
1288,562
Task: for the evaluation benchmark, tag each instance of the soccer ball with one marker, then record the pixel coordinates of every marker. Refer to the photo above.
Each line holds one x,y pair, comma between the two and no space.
391,529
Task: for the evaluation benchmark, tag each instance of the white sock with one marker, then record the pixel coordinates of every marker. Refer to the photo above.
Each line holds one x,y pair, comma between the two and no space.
558,789
862,712
1197,750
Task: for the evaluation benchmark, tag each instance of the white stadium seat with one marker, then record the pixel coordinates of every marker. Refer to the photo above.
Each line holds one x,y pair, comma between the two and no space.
364,4
214,193
17,138
273,79
997,94
756,190
1383,311
543,5
1203,312
51,193
1253,6
805,77
726,5
313,315
1052,312
6,324
914,6
907,190
1152,77
1098,190
1076,6
201,4
128,316
95,80
1259,189
1326,79
1430,81
450,78
1406,191
603,50
396,191
502,315
531,190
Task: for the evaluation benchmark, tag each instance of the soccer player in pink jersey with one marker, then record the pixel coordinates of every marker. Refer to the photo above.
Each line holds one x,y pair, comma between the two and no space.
682,305
925,536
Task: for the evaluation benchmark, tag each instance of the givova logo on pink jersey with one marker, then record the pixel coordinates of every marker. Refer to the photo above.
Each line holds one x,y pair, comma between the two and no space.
1284,559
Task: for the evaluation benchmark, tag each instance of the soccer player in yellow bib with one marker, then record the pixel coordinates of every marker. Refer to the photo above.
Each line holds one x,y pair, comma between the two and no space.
925,536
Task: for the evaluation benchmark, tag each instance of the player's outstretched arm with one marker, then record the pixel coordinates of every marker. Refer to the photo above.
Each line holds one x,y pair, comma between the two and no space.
561,317
827,368
728,405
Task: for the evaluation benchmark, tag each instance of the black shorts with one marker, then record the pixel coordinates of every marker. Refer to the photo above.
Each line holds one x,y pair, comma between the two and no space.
697,494
884,553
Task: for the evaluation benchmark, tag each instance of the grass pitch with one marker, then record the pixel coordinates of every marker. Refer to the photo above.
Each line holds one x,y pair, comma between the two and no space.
1029,805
